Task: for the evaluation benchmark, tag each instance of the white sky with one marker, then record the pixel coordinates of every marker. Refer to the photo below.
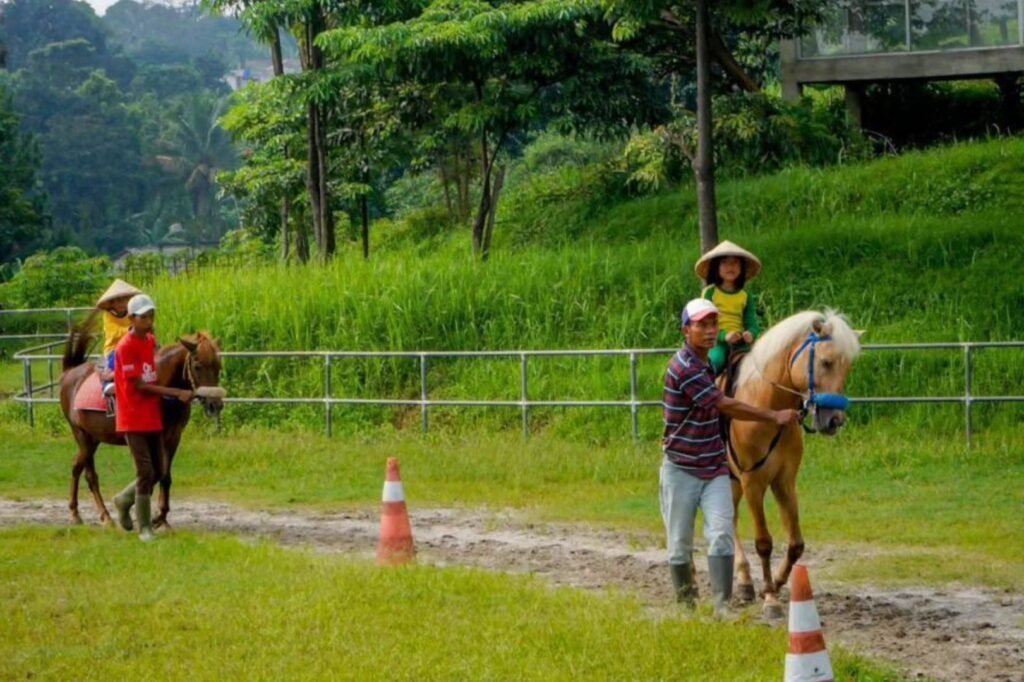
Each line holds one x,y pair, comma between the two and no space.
101,5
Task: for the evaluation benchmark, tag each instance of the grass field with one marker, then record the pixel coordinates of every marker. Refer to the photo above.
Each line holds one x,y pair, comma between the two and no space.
91,605
920,497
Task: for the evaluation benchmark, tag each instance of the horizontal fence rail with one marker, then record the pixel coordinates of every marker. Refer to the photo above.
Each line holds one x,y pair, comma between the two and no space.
43,353
68,314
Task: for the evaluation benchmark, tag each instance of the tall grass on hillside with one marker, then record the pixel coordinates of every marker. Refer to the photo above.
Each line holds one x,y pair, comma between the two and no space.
924,247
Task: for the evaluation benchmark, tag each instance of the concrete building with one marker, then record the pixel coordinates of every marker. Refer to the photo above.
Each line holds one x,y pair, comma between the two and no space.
872,41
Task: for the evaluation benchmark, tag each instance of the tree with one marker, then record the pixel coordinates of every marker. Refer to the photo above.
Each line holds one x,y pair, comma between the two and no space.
22,210
499,70
645,24
196,149
269,123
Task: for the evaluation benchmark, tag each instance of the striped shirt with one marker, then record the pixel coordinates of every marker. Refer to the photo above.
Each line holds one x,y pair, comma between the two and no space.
693,439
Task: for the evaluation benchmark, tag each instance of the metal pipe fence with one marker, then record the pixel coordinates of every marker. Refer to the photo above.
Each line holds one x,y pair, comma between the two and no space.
68,313
524,404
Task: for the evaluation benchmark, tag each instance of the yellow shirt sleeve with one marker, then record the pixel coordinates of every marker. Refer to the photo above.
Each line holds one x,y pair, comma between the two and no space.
114,329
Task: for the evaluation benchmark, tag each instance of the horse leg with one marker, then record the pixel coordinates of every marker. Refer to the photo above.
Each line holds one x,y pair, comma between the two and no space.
744,583
763,543
86,449
93,479
785,495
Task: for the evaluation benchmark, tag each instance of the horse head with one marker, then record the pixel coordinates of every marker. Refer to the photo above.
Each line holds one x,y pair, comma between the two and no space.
202,370
819,363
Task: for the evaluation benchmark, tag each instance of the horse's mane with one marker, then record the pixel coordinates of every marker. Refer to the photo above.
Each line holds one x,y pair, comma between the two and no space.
792,330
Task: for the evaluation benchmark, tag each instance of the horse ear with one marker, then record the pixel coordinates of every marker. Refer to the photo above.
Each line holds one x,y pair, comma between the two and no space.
216,342
860,333
817,326
189,341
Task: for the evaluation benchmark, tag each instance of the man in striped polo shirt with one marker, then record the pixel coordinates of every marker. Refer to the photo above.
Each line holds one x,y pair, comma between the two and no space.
694,472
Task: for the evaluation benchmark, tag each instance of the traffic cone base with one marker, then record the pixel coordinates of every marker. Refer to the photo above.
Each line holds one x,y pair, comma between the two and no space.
807,660
396,545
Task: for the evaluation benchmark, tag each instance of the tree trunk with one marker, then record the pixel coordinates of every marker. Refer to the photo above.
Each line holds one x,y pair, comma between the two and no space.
442,171
499,182
313,176
301,235
275,53
704,161
326,211
316,158
484,209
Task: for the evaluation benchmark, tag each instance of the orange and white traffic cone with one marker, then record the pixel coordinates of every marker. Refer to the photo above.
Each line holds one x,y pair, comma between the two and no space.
807,660
395,533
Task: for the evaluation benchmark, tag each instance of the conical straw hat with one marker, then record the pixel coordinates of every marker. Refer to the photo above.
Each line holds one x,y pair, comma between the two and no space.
727,248
119,289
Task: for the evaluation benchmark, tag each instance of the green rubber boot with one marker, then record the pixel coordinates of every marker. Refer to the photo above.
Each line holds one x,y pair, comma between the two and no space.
143,512
123,502
682,581
720,573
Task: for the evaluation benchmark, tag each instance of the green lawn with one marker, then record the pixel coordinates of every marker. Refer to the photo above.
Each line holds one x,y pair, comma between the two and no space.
917,496
87,604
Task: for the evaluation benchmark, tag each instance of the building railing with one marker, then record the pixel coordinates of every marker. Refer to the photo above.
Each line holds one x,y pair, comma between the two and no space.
524,403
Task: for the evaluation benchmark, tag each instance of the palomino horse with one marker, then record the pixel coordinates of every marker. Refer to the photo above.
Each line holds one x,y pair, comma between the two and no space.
800,363
192,363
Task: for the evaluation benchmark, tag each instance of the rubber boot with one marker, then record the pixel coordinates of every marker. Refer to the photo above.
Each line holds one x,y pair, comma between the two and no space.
143,512
720,573
123,502
682,581
111,406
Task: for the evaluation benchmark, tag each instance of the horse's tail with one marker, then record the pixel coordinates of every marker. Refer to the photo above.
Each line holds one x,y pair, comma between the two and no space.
76,348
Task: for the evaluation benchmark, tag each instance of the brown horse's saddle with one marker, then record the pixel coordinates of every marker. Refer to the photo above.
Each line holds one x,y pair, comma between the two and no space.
90,395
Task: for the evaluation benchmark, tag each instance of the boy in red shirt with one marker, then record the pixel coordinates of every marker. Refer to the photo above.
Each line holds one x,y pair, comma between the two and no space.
139,412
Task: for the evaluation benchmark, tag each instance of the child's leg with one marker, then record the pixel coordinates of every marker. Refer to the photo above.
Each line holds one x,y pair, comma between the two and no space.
108,386
718,356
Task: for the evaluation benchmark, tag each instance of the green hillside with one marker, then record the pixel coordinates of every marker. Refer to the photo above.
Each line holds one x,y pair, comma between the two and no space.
924,247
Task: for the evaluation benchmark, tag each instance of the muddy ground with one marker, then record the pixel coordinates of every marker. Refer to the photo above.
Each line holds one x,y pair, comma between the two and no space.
944,634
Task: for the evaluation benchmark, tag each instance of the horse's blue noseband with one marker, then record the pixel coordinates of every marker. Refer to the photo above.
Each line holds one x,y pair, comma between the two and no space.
826,401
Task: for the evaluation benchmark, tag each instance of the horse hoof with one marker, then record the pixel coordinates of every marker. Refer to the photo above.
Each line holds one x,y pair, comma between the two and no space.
74,519
745,593
773,610
107,522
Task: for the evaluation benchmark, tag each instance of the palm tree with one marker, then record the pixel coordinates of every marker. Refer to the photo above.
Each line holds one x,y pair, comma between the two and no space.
197,148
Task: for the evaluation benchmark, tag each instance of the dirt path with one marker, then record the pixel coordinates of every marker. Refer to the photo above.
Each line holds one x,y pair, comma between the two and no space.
951,634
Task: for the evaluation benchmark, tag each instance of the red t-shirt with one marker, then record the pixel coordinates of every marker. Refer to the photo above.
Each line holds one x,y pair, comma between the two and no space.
137,412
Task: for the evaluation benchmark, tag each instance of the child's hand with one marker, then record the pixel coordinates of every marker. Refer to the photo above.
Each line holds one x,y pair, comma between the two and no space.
184,395
732,338
748,337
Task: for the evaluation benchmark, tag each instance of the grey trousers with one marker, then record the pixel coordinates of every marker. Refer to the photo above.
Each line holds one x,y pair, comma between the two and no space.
681,495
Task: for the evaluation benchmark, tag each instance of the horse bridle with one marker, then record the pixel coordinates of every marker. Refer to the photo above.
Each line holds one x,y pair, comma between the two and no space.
809,403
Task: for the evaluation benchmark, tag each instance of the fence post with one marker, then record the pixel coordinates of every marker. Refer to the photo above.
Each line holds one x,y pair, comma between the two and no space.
968,375
28,392
523,395
328,405
49,371
634,407
67,318
424,419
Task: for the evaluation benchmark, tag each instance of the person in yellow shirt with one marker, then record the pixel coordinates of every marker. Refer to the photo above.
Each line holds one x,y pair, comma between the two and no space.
726,269
114,304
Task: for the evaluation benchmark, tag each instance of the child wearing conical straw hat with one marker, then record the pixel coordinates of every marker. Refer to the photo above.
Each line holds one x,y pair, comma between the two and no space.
114,304
726,269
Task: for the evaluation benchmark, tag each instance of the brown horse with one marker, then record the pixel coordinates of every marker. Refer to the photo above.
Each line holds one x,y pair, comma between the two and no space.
800,363
191,363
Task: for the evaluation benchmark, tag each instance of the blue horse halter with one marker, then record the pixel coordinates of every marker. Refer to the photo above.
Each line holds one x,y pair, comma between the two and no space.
827,401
